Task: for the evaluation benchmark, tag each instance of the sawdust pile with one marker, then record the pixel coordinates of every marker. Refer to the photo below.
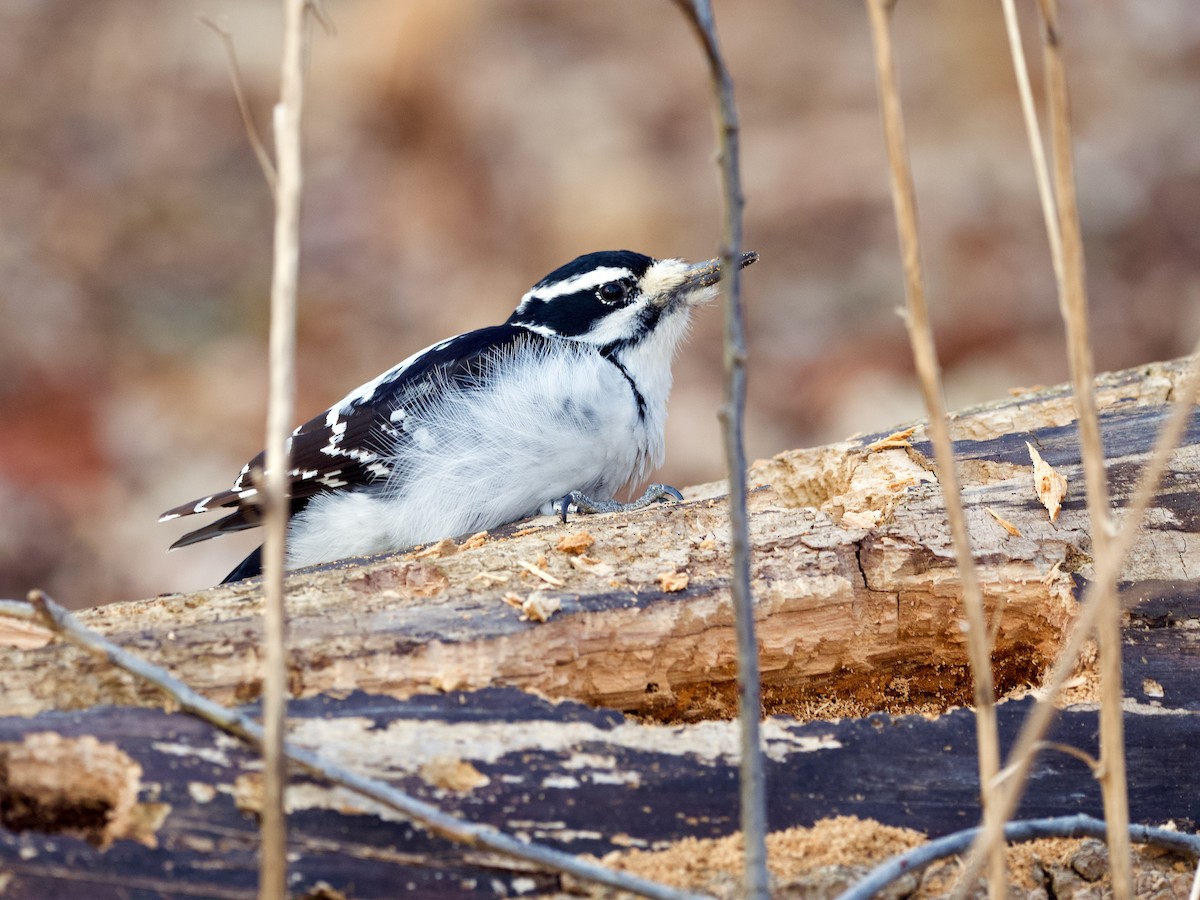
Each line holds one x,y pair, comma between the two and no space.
834,854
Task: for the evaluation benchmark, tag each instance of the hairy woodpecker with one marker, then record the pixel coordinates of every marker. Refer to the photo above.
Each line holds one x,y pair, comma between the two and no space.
562,405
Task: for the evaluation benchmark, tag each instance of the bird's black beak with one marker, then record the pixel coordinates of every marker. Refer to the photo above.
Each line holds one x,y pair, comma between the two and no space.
708,273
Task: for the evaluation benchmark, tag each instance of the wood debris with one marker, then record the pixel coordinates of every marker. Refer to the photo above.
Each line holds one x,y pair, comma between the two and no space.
1004,523
575,543
895,440
1049,486
78,786
453,774
537,607
591,565
444,547
23,635
491,577
672,582
475,541
540,573
423,579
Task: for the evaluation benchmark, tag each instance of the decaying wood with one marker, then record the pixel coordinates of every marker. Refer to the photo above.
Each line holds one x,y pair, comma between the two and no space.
854,580
577,778
413,669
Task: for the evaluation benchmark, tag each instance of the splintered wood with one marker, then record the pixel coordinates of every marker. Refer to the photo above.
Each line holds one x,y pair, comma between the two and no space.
1049,486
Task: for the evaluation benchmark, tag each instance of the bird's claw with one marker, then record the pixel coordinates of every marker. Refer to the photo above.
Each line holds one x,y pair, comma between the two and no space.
585,505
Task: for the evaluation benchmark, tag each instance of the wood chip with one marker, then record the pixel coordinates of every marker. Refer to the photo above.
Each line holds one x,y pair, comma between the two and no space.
540,606
673,581
491,577
540,573
537,607
894,441
1049,486
575,543
475,541
453,774
524,531
1004,523
23,635
444,547
591,565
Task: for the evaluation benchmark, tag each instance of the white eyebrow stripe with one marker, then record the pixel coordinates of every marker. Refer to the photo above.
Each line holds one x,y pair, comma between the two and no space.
584,281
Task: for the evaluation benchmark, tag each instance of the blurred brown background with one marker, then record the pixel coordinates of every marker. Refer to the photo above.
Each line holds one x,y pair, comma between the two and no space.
458,150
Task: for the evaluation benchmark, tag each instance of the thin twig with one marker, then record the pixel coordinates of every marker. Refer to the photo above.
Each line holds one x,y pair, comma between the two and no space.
44,611
1063,827
235,73
321,15
753,777
1041,171
288,117
920,332
1082,755
1107,569
1074,306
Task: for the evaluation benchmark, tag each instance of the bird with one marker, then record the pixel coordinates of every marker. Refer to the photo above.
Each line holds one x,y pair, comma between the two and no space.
557,409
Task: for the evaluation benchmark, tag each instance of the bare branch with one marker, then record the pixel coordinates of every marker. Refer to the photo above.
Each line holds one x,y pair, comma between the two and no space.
321,15
44,611
753,779
235,73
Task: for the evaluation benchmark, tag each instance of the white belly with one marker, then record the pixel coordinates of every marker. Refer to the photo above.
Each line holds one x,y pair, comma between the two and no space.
479,458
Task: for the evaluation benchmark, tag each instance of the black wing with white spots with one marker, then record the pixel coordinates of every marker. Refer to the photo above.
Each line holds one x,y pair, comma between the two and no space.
347,447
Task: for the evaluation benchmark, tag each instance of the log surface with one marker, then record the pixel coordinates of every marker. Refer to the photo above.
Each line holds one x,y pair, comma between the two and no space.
417,669
581,779
853,571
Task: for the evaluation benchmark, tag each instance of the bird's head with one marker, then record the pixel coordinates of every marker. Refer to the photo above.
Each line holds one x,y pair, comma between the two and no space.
617,296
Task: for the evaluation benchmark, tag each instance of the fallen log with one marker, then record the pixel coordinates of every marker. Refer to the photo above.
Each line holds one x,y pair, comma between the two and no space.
855,586
436,650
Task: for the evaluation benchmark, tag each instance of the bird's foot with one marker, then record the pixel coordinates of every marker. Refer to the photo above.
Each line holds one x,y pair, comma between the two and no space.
585,505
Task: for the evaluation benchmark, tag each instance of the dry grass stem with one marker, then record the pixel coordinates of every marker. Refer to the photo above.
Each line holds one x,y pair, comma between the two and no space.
1063,230
45,612
1037,150
920,332
1074,304
287,120
753,799
1107,569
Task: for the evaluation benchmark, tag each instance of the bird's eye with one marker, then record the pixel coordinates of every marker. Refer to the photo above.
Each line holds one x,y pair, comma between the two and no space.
613,293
